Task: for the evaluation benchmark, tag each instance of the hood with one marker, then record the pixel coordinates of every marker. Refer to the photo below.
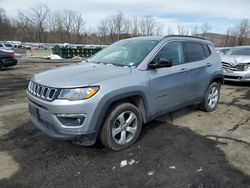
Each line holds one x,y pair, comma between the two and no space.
79,75
235,59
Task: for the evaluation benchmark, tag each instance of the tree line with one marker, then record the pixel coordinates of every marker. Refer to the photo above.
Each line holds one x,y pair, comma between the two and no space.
238,35
40,24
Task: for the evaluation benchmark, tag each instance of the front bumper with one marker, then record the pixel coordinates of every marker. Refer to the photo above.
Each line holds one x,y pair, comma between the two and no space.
44,116
237,76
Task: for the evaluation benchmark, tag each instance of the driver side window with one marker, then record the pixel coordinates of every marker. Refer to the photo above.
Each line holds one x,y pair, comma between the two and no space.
172,51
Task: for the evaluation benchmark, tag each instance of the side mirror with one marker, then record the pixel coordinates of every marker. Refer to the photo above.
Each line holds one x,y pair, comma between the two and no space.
161,63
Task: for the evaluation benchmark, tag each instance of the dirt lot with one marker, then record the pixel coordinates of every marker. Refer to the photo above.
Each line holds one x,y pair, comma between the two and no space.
188,148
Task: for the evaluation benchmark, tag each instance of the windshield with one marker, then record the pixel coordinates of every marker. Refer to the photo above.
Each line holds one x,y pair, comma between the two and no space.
225,50
124,53
239,51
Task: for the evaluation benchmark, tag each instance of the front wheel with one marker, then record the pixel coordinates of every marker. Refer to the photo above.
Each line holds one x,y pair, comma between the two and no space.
212,97
122,127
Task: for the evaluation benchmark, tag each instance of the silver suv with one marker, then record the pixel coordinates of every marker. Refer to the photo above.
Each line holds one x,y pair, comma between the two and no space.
127,84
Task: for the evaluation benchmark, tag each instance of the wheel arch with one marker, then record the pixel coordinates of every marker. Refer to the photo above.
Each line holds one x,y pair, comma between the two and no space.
218,79
136,98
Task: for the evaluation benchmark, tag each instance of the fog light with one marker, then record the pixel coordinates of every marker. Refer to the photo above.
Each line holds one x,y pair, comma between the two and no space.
71,119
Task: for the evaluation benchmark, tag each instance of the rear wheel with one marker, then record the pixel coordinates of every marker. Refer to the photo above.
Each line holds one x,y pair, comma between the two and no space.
122,127
212,97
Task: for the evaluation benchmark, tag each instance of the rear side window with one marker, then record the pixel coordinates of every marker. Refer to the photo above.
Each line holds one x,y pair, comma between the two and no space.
206,50
194,51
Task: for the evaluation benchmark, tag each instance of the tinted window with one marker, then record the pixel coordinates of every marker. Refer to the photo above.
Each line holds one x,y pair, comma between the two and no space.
172,51
194,51
206,50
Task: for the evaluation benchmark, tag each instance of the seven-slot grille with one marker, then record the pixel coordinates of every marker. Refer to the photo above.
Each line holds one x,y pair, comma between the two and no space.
43,92
228,66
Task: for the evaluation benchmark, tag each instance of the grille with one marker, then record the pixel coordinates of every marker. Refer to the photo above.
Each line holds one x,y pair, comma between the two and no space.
42,92
228,66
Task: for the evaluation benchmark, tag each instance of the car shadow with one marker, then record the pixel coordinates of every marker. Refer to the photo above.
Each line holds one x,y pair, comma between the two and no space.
166,156
9,68
239,88
246,84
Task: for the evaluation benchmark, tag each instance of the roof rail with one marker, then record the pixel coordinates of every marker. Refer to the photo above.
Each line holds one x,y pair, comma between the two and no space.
185,36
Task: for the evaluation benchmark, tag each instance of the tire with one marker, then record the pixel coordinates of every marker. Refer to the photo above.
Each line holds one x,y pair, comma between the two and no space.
212,97
122,127
1,66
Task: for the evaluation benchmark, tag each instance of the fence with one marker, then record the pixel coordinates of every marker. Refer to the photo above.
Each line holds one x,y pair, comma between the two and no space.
71,52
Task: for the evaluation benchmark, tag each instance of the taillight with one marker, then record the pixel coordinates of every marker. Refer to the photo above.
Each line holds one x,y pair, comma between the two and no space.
12,55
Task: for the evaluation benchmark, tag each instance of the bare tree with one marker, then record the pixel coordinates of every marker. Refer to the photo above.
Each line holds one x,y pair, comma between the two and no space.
147,25
104,30
6,30
204,29
195,30
26,29
114,27
107,29
58,25
36,16
68,18
243,31
170,31
127,26
78,25
111,28
181,30
118,22
238,35
159,26
234,38
135,26
228,36
66,25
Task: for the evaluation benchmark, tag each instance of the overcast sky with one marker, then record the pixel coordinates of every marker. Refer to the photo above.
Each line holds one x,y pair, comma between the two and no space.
219,14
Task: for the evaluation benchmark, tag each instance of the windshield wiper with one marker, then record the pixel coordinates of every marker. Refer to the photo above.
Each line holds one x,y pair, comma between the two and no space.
96,62
119,65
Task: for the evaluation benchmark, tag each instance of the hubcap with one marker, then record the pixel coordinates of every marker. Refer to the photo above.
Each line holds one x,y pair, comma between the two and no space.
213,97
124,127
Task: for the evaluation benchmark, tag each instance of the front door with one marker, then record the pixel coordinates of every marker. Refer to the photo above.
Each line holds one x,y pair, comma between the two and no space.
168,85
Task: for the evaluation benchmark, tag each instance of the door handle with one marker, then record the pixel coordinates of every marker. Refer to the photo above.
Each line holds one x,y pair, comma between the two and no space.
209,64
183,70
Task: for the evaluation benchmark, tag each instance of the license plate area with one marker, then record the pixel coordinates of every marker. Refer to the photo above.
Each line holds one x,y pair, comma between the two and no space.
41,116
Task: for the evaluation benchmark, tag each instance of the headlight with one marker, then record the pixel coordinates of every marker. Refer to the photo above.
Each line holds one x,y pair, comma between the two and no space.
247,67
78,93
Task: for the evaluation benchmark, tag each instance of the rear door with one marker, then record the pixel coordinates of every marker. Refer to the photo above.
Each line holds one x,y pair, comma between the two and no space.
197,57
168,85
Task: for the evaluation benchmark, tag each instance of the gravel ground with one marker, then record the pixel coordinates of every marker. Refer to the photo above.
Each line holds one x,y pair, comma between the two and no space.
187,148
